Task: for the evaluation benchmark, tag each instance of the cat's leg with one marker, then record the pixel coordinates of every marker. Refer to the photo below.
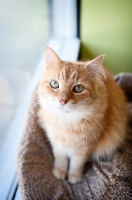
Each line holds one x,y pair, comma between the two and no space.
77,163
60,165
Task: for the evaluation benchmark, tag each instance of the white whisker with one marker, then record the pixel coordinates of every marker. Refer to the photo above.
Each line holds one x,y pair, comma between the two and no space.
30,115
96,121
35,124
10,115
103,131
95,140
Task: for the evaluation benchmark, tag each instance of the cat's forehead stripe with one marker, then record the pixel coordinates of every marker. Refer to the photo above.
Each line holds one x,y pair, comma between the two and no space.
69,71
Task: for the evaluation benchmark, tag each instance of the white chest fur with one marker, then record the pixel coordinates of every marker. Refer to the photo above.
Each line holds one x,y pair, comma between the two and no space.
61,131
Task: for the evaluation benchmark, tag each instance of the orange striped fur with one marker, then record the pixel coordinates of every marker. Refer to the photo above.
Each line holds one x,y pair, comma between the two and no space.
80,125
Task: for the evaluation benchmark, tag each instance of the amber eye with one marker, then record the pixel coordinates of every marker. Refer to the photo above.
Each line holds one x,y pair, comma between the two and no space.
54,84
78,88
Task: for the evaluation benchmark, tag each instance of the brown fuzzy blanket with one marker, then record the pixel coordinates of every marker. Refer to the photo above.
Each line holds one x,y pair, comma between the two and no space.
111,180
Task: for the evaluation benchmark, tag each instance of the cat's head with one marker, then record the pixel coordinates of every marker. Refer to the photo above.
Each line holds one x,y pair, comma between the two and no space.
71,86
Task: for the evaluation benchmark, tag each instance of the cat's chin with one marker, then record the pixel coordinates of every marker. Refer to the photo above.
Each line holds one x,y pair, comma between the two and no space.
63,109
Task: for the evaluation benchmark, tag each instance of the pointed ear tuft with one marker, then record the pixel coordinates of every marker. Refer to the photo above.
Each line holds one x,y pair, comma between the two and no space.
98,60
51,58
96,66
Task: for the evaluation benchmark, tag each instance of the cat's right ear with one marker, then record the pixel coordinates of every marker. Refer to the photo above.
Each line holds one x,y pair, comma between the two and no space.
96,68
50,58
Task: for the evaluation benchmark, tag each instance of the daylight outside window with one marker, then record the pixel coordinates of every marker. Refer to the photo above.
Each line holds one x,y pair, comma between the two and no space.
24,31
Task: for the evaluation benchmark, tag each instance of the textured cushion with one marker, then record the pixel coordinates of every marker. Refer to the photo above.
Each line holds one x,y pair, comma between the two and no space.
106,180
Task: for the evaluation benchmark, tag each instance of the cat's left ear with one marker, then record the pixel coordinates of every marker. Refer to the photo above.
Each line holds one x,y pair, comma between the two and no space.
95,66
50,58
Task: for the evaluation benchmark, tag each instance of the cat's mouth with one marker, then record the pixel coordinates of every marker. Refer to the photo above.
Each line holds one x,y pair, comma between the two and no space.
65,108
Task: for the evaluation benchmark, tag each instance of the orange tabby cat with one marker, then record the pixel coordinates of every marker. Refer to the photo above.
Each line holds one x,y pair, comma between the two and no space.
83,112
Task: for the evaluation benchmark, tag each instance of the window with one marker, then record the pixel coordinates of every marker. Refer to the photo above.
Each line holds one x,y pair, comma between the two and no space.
24,31
26,27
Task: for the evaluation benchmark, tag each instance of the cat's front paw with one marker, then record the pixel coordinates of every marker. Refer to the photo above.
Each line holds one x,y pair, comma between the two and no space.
74,178
58,173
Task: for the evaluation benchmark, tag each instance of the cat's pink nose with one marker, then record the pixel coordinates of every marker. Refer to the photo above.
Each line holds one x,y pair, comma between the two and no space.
63,101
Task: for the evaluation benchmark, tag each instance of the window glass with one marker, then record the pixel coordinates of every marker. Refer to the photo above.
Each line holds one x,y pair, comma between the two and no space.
24,30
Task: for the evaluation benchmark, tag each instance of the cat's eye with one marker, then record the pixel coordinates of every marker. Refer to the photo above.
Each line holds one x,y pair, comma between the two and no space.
78,88
54,84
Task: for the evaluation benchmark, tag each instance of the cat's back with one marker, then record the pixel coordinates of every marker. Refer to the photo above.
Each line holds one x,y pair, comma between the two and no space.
116,95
